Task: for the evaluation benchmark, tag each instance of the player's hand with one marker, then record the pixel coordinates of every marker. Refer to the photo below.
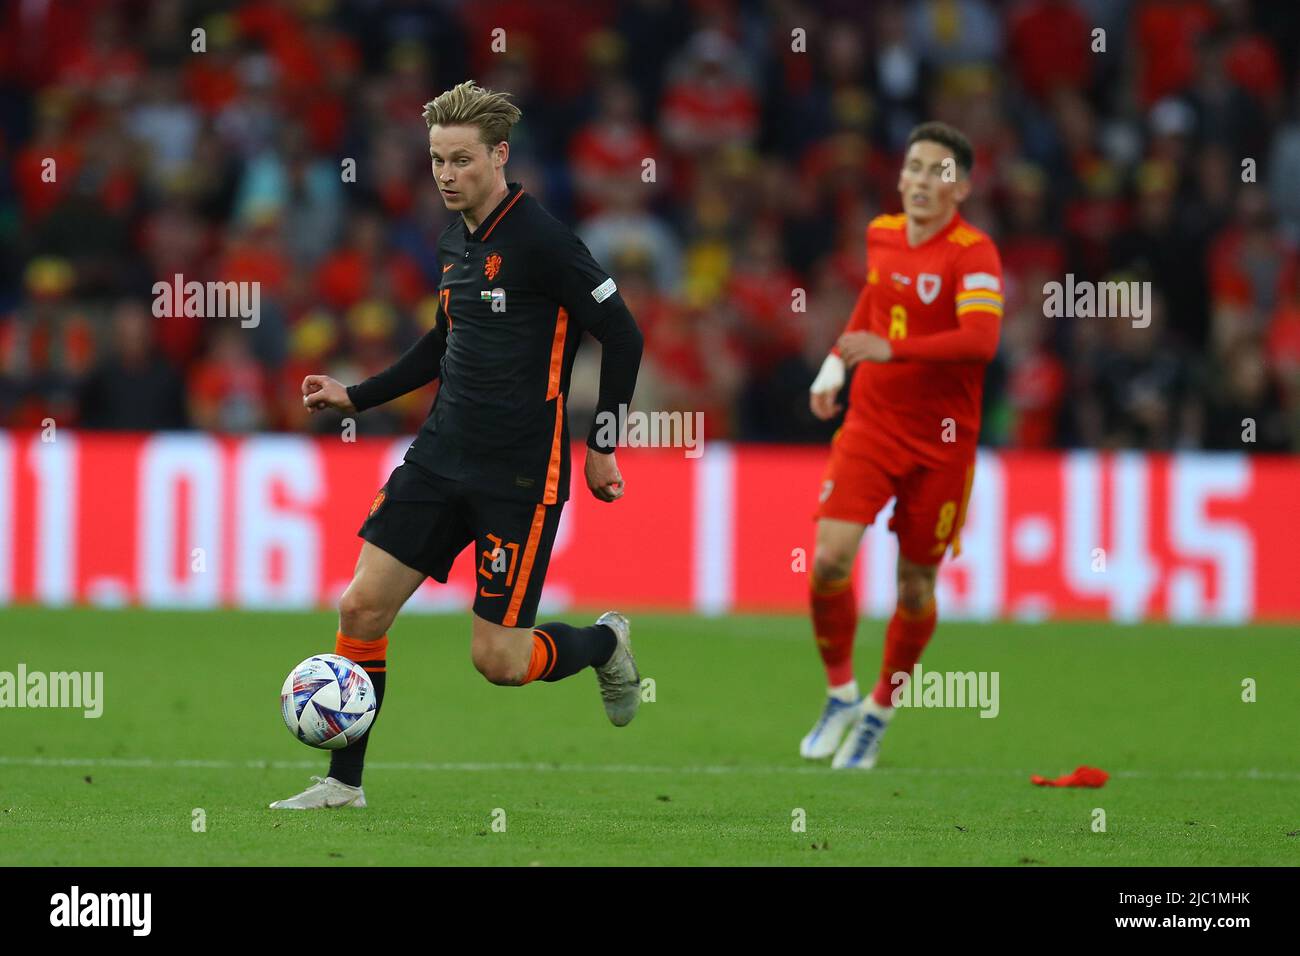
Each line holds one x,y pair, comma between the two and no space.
864,347
603,476
321,391
823,404
826,387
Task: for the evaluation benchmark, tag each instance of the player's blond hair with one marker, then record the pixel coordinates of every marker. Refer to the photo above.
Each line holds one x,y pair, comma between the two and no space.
490,112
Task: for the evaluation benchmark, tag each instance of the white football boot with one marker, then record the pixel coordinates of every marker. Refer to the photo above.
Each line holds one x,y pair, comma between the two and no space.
862,745
620,681
325,794
837,716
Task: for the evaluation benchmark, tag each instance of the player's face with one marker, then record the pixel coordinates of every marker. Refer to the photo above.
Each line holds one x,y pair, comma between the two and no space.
931,183
465,169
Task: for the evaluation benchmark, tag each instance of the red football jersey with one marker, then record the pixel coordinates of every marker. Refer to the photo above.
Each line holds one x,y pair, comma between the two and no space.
940,305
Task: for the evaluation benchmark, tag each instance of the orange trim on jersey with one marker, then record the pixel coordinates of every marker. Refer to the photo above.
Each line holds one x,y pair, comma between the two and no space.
502,216
961,512
965,236
444,297
557,353
525,567
551,494
887,221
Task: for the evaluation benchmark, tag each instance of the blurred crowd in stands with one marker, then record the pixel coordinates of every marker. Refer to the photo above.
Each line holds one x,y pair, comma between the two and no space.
1135,140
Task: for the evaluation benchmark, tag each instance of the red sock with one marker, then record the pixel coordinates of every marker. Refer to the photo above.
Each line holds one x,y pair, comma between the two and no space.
835,619
905,639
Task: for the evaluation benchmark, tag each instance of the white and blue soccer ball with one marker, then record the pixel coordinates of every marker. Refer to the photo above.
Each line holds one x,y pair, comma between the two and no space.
328,702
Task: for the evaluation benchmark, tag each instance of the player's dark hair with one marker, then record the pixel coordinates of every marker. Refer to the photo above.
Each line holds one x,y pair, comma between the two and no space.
945,135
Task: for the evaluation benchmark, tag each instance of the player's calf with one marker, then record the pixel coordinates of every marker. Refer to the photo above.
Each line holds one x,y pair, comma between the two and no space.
500,654
512,656
553,651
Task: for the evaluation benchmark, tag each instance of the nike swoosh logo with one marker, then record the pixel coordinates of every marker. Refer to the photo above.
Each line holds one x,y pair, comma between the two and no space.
448,266
482,593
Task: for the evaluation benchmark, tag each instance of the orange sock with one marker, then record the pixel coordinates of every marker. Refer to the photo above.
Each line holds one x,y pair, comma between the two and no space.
370,656
905,639
543,657
835,619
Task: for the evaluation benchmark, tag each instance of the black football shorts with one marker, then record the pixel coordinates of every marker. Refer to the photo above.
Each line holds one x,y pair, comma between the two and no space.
425,521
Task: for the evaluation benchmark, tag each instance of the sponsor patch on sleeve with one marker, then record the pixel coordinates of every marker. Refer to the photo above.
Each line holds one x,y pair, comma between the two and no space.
981,280
604,290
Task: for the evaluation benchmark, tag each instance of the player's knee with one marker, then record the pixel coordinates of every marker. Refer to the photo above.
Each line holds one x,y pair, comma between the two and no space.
831,565
496,665
362,618
915,592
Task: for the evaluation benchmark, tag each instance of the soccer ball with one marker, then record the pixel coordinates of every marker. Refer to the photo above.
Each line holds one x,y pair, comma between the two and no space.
328,702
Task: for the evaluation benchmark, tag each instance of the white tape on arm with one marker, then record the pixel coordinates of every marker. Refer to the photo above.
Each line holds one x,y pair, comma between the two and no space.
831,376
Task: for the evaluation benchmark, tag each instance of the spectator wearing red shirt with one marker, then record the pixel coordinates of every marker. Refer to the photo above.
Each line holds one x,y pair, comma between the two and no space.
1036,378
1251,57
1165,34
608,152
41,185
256,254
173,239
1250,264
710,102
105,65
212,80
760,292
228,388
366,263
1051,45
690,364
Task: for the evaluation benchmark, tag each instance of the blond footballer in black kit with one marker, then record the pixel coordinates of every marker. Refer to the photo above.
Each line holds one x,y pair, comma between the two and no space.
490,465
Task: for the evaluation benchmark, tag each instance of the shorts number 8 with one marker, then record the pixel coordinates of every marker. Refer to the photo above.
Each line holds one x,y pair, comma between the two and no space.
946,515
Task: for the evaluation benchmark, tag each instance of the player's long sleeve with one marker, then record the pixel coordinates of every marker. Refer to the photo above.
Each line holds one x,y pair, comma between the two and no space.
620,360
975,341
418,366
590,296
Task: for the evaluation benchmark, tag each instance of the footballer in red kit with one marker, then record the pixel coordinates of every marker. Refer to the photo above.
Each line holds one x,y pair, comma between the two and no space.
924,327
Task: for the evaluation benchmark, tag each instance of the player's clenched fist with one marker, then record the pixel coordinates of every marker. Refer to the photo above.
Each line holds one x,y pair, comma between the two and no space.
603,477
321,391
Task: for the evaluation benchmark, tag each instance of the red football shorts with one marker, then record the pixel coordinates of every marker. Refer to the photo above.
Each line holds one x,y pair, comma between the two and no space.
930,506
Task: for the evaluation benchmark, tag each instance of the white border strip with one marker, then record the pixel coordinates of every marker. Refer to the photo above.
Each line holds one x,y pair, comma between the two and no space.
713,562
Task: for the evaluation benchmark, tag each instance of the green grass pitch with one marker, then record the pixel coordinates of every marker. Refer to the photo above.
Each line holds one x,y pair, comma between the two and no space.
707,774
